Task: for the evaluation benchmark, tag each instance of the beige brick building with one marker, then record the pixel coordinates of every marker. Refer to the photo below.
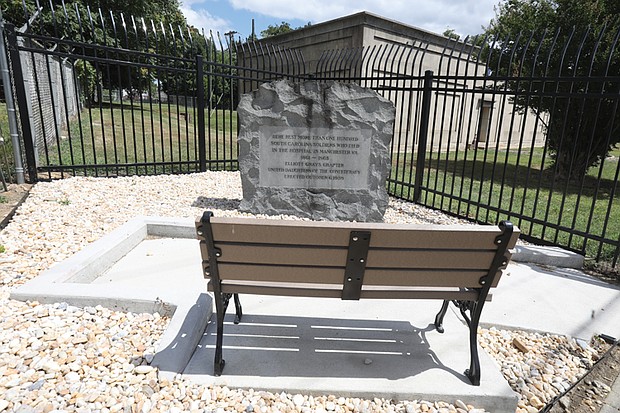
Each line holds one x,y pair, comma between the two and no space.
391,57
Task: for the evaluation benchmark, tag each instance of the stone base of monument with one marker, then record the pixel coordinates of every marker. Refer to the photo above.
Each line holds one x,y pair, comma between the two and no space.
370,348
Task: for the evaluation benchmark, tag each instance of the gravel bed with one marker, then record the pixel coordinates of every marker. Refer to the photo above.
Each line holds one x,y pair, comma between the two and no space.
63,358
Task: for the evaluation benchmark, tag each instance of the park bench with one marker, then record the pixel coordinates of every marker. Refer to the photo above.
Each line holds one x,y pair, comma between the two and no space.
352,261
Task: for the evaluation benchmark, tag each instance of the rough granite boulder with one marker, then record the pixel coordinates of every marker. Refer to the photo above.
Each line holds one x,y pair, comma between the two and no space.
315,150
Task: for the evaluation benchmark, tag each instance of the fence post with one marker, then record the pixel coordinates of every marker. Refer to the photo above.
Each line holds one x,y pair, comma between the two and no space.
20,90
422,139
200,89
10,108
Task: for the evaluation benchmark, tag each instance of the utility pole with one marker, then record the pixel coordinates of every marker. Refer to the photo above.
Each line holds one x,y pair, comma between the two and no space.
230,36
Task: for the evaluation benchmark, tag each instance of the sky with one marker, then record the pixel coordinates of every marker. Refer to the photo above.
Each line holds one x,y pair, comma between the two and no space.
465,17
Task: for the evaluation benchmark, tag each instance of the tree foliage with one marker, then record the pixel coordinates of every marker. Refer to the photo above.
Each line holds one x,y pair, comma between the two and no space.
451,34
156,27
535,42
284,27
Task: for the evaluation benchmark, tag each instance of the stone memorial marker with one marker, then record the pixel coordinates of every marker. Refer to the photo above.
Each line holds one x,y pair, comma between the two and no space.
315,150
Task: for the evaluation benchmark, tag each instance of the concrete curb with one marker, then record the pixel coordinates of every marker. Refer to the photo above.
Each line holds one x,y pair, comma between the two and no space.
551,256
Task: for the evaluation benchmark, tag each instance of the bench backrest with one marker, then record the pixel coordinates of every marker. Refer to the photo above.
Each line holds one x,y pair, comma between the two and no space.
354,260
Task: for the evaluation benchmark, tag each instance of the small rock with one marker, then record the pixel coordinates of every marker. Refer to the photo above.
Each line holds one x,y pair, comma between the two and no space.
25,409
35,386
460,404
367,361
143,369
51,367
298,399
72,377
601,385
535,402
583,344
565,402
3,405
520,345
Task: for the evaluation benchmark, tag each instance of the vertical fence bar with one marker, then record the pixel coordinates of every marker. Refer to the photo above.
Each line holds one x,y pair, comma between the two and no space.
424,120
200,102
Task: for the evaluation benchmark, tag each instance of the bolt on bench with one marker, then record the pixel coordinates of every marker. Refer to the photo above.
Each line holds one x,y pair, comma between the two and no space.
351,261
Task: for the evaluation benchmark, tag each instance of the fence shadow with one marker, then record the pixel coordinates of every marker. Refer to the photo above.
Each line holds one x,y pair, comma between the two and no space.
519,176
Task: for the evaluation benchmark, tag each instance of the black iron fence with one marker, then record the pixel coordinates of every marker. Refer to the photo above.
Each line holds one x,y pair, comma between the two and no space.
487,129
524,129
146,101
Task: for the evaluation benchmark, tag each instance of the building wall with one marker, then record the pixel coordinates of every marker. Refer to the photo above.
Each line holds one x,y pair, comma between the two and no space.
384,52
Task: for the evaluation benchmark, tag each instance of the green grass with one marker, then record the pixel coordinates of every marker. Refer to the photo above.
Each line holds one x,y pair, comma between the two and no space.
4,121
144,134
529,186
6,148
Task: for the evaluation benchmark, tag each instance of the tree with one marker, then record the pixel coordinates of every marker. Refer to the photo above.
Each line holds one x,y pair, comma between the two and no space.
276,29
99,22
284,27
451,34
537,40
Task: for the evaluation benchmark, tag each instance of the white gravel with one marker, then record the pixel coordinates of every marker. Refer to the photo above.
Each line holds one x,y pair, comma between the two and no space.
63,358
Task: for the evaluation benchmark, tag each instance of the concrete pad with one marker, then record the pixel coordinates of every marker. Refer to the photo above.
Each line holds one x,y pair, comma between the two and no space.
555,300
370,348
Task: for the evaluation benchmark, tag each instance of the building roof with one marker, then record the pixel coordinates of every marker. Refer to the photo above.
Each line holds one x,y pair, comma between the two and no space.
362,18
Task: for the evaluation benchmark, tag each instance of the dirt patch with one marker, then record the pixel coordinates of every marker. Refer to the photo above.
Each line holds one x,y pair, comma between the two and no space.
10,200
605,273
588,396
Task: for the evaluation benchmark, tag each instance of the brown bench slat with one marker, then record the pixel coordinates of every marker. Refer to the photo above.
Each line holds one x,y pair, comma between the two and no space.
335,275
329,291
377,258
331,234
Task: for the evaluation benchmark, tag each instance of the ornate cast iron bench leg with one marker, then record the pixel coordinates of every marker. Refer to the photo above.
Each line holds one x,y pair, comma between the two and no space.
221,302
475,309
238,310
473,373
221,305
440,315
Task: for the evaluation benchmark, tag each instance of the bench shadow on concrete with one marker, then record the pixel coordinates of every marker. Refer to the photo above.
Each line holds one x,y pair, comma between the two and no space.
281,346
